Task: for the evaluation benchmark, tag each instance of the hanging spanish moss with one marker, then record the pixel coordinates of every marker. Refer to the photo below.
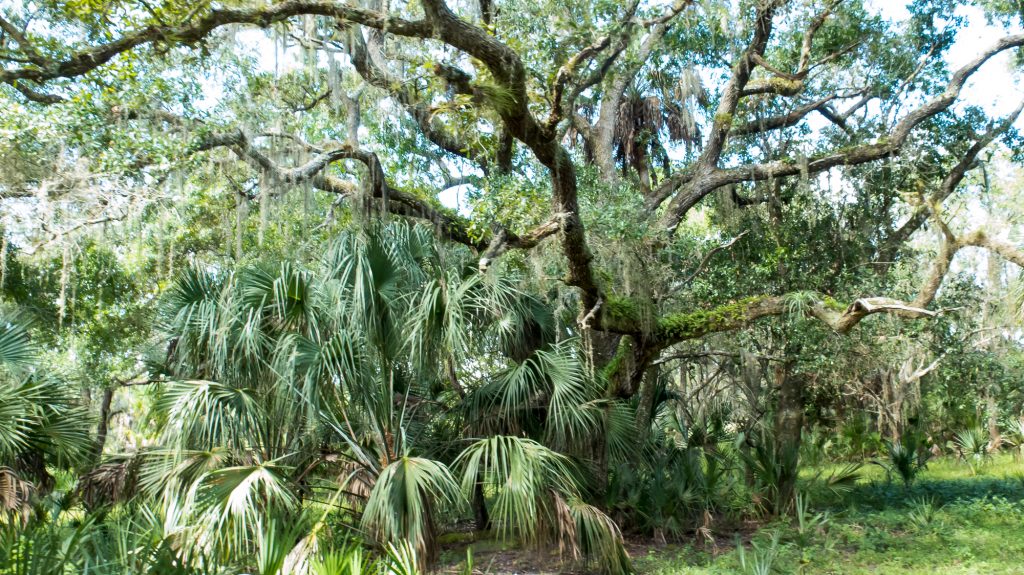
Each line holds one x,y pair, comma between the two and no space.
241,213
65,276
3,259
264,199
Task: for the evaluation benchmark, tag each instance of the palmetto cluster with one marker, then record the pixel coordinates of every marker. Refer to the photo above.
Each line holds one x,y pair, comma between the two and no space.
371,397
40,423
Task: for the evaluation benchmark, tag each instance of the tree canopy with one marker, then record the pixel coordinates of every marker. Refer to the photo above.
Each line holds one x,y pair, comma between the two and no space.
435,248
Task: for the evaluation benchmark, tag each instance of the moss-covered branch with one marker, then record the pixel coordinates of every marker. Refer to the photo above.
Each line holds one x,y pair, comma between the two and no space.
647,334
676,327
632,316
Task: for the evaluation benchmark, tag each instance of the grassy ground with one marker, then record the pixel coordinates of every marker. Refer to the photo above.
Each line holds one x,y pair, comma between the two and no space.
953,520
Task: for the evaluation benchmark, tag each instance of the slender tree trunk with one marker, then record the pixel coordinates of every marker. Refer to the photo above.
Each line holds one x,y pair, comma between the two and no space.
789,421
104,423
995,278
603,347
992,407
483,519
453,378
506,149
644,172
603,141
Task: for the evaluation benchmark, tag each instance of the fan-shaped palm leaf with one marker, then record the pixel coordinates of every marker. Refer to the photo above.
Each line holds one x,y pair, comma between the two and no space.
16,349
404,499
229,507
520,472
208,414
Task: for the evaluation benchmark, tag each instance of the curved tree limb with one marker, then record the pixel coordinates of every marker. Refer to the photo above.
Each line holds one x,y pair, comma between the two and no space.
83,61
713,178
405,94
949,184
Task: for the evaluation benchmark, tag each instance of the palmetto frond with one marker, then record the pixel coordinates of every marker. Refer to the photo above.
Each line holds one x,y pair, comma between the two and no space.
536,496
597,539
521,473
643,119
227,509
404,499
330,373
109,482
16,349
15,495
208,414
549,388
41,423
572,419
190,311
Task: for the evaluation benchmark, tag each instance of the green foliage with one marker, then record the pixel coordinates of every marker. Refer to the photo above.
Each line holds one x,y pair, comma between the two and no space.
799,303
400,506
687,473
772,465
289,379
923,512
949,521
809,524
906,458
536,495
623,310
40,424
858,439
972,446
763,559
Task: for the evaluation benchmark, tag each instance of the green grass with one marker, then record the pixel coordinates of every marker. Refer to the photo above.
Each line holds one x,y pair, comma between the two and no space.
951,521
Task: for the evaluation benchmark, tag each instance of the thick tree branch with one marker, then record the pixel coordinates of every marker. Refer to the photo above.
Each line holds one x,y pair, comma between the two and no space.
601,135
883,147
395,200
567,71
86,60
949,185
623,316
711,253
721,124
1006,250
505,240
786,120
563,106
405,94
645,338
733,90
507,68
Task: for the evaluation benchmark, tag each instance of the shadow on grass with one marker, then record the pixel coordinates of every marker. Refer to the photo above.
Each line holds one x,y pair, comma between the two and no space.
882,494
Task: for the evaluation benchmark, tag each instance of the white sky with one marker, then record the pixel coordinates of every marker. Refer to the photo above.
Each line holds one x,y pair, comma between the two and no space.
994,87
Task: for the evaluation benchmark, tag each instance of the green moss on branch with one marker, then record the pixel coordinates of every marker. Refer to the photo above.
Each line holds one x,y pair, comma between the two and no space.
831,303
622,310
683,326
620,360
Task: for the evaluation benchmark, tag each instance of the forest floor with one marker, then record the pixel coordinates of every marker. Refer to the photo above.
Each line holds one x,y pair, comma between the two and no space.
952,520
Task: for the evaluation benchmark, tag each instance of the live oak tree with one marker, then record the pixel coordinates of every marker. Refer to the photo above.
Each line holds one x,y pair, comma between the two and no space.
672,170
